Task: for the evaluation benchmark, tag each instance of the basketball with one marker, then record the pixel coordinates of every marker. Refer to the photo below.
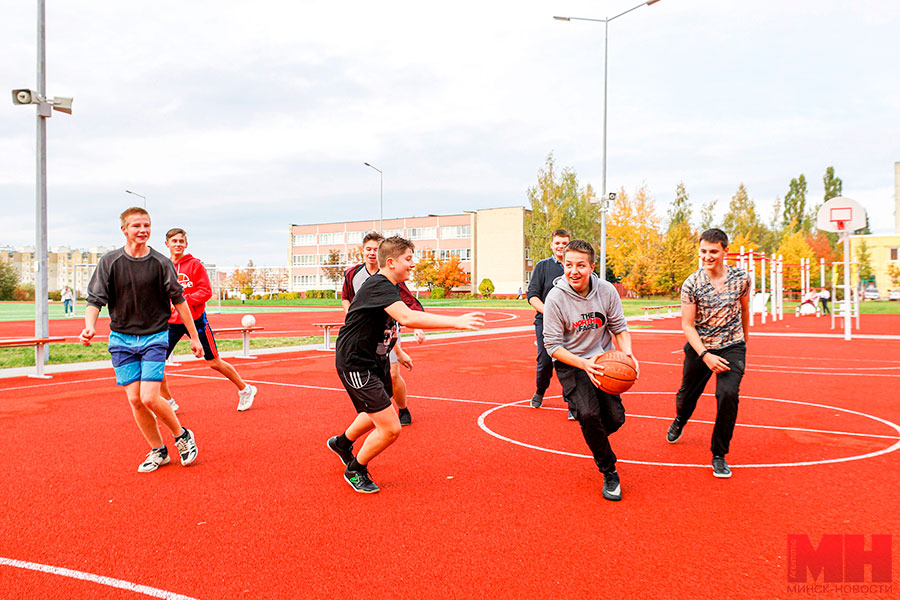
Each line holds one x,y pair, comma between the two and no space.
248,320
618,372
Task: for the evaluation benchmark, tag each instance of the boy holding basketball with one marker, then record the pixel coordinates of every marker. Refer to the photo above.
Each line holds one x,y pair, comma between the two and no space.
715,317
194,279
582,316
364,343
138,284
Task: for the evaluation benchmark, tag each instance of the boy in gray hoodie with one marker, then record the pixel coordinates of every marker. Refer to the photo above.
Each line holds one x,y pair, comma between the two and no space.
582,315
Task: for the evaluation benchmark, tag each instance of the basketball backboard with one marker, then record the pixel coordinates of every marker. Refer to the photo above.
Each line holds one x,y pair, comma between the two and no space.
841,215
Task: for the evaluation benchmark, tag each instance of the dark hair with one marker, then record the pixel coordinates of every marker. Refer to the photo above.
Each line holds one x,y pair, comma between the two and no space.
580,246
175,231
373,235
715,236
561,233
393,247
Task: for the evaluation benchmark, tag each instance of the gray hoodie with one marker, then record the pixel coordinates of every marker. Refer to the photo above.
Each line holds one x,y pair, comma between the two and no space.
583,326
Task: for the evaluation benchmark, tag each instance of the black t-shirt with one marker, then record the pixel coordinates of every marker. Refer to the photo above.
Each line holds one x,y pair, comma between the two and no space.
368,334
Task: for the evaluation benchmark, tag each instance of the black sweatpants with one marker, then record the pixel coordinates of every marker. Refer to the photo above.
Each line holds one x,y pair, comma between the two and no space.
694,376
544,362
599,414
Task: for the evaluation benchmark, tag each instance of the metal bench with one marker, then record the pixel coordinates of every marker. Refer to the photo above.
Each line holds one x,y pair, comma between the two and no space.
670,311
38,343
327,327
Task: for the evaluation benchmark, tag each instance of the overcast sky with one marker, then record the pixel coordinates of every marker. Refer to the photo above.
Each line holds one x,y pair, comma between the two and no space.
236,119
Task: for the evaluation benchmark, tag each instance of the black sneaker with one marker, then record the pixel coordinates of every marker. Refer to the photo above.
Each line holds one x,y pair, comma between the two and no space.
405,417
720,467
345,455
537,400
359,481
675,430
611,488
572,414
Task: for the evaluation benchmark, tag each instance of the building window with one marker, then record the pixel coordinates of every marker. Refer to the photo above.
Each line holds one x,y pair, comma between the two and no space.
894,252
421,233
335,237
305,239
304,260
527,252
456,232
356,237
304,280
392,232
462,253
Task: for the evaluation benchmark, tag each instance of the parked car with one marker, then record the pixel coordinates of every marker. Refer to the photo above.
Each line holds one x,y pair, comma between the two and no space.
871,293
894,295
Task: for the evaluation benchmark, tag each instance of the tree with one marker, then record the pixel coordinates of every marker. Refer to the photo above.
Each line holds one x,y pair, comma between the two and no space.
795,204
631,232
557,202
894,273
333,267
242,279
741,218
677,258
707,215
833,185
426,272
450,274
864,258
9,280
793,247
486,288
680,210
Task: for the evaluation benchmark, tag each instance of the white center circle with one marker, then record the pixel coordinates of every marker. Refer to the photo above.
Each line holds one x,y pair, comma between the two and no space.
892,448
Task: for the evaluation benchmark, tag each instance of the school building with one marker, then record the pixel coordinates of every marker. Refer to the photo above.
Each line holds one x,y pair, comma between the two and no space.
490,244
884,250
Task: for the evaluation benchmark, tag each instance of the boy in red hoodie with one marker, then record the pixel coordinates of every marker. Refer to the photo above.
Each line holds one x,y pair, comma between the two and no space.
197,290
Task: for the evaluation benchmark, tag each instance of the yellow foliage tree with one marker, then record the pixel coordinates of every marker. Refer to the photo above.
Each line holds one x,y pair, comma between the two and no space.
677,258
632,232
794,247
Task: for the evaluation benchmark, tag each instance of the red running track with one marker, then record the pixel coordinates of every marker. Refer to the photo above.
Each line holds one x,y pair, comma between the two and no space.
463,513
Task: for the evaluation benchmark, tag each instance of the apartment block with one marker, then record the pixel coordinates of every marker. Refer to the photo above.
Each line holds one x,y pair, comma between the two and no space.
65,266
490,244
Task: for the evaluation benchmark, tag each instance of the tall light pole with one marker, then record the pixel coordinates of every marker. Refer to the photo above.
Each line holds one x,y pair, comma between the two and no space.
604,199
381,194
144,198
44,106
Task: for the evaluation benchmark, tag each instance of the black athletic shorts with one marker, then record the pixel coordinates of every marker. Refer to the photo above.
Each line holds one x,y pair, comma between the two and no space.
178,331
370,391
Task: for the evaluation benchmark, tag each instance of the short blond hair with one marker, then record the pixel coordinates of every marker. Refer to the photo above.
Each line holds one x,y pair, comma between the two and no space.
129,212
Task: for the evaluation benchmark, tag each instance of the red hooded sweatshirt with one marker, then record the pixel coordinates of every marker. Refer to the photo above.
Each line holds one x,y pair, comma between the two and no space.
193,278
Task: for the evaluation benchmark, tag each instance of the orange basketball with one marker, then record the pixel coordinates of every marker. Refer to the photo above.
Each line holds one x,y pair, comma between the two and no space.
618,372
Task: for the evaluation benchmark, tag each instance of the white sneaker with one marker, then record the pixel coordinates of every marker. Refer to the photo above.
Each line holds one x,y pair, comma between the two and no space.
155,459
246,396
187,447
173,404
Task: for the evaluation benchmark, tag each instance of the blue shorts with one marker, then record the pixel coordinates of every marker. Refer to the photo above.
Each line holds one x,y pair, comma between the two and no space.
138,357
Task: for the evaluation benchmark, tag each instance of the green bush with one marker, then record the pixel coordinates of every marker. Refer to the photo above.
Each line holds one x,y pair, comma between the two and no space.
437,293
486,288
320,294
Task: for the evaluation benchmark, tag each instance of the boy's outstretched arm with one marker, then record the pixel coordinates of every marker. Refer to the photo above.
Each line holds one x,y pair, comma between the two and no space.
422,320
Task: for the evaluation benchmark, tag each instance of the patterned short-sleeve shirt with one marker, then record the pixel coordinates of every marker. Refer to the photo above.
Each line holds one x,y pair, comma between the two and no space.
718,317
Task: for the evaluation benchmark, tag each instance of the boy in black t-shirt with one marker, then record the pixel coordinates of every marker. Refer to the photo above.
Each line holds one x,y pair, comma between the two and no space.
363,346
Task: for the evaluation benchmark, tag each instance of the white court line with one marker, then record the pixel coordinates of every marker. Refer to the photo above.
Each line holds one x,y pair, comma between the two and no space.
896,446
100,579
777,369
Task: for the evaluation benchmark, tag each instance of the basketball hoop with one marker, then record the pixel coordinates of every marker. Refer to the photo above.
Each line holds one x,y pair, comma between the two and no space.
841,215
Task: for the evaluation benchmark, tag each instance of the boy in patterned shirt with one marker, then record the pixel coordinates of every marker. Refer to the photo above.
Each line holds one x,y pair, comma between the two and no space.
715,317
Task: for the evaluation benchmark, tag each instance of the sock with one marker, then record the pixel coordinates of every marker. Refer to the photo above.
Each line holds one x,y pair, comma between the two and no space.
343,442
355,465
402,410
163,451
184,433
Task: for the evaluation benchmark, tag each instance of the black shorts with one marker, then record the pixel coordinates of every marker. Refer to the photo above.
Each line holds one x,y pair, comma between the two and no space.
178,331
370,391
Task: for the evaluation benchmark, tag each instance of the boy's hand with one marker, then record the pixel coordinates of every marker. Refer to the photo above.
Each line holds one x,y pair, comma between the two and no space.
637,366
471,321
419,335
716,363
593,370
85,336
403,359
196,347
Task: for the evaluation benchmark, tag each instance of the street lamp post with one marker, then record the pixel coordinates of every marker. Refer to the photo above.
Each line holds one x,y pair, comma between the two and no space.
381,195
604,199
144,198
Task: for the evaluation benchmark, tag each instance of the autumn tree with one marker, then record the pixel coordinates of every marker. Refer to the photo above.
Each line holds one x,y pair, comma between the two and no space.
864,259
426,272
9,281
680,210
333,268
741,218
795,204
677,258
793,247
708,215
557,202
242,280
450,274
632,233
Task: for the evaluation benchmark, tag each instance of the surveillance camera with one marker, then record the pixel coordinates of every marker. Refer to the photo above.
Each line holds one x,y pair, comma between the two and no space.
62,104
25,97
612,196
